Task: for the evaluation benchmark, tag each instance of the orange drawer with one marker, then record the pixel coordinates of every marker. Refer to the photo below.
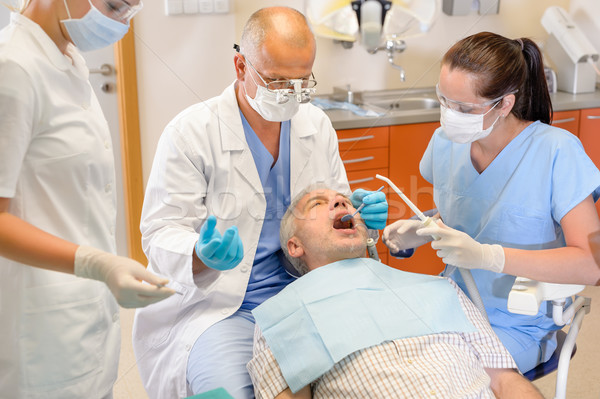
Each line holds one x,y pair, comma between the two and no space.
358,139
568,120
366,179
374,158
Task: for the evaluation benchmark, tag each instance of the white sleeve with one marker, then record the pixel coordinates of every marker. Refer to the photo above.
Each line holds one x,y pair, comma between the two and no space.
17,105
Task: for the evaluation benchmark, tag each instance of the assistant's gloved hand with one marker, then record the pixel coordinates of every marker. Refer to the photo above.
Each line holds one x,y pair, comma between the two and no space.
216,252
402,235
459,249
123,276
375,210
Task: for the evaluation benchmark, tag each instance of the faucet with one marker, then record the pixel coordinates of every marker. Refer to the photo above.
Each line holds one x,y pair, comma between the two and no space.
392,46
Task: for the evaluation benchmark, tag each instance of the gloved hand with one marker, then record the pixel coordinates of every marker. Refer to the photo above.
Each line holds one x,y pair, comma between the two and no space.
402,235
459,249
216,252
123,276
375,211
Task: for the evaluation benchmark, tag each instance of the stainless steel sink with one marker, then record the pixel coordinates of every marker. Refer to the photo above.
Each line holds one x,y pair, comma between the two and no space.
402,100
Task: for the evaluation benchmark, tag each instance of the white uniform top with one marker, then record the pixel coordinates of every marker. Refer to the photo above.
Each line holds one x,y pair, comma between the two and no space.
60,334
203,166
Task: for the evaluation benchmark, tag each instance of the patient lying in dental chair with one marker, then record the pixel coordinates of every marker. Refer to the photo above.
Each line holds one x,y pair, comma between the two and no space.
352,327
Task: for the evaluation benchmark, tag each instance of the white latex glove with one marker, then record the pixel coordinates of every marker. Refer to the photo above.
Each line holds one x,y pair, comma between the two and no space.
402,235
459,249
122,276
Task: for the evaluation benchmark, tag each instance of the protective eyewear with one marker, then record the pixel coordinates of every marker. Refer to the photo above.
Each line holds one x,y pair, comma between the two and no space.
302,89
466,108
121,9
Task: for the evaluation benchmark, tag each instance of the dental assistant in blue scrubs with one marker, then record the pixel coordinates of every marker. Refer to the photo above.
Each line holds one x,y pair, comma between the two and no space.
515,195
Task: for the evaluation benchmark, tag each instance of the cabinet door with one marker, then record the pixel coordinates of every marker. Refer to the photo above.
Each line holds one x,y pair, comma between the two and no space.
407,145
568,120
589,133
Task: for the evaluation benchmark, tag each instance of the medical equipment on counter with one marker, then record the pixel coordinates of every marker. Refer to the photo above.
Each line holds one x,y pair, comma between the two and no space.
571,52
347,217
465,273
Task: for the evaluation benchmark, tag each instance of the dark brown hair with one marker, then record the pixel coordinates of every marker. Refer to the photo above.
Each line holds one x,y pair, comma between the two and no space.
503,66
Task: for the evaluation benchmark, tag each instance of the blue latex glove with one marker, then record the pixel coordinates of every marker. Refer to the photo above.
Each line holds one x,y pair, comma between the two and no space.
375,211
216,252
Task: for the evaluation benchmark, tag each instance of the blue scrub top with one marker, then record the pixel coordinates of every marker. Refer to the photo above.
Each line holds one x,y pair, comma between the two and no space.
517,202
268,276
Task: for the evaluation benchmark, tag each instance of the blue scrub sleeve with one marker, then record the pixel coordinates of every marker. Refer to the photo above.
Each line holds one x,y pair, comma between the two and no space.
574,176
426,165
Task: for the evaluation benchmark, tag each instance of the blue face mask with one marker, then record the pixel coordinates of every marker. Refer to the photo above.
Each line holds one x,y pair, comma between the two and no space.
95,30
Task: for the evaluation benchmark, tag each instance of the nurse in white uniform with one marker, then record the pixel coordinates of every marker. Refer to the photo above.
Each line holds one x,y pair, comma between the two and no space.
60,334
515,194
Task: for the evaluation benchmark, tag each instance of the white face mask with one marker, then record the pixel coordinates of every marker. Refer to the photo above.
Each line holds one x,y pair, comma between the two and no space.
464,128
265,103
94,30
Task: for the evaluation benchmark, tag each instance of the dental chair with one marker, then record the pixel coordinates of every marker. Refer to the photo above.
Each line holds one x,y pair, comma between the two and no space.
526,297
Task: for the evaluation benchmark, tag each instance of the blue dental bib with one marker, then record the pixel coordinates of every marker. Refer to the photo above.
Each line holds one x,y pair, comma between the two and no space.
350,305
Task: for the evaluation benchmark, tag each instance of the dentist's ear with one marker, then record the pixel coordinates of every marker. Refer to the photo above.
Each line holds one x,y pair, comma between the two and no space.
294,247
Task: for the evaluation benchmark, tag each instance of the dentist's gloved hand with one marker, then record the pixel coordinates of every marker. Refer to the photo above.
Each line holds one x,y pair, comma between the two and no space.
375,210
402,235
123,276
459,249
216,252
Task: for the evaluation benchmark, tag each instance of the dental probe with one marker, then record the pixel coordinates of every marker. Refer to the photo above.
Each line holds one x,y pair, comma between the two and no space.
347,217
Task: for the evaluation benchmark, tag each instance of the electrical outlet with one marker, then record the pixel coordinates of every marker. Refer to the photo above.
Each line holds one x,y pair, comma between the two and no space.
206,6
173,7
222,6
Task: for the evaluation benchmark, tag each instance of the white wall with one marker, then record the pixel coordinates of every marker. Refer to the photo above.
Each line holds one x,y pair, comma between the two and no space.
188,58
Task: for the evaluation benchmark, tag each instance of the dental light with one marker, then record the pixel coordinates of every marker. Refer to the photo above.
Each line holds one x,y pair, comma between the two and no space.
376,24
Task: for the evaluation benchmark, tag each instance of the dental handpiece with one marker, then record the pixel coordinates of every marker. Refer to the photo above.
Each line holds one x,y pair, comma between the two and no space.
347,217
425,219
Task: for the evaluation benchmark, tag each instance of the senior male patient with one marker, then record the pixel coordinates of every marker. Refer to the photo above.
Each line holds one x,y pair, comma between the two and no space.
355,328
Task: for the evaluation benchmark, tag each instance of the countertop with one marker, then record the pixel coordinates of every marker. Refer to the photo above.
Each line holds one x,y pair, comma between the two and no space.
341,119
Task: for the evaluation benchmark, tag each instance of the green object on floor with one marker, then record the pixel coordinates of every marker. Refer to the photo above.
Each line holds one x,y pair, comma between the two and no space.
219,393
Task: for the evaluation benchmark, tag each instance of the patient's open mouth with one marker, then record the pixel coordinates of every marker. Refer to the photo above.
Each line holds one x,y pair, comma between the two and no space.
339,225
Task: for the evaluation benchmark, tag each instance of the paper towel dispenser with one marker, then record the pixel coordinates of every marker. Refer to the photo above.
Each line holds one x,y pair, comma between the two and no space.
570,51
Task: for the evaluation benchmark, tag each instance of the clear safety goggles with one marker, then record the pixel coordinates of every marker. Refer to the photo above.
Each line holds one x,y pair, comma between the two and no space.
121,9
302,89
467,108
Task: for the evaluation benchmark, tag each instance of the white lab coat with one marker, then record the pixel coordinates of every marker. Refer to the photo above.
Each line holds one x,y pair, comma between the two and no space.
203,166
59,334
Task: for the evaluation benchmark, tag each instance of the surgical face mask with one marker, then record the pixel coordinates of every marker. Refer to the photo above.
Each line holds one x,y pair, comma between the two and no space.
464,128
266,104
95,30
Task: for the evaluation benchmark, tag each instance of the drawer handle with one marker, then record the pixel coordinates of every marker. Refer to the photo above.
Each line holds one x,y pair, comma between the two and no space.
366,179
358,160
593,117
353,139
563,121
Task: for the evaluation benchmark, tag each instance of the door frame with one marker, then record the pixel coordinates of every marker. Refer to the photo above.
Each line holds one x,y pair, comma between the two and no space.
131,154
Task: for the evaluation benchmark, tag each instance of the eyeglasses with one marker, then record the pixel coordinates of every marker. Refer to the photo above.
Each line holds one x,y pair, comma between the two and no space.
302,88
121,9
467,108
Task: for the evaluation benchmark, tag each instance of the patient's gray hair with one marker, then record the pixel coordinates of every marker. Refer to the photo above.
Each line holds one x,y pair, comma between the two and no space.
288,226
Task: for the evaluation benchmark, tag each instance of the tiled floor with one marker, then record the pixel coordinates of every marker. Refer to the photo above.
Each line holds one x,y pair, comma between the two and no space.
584,373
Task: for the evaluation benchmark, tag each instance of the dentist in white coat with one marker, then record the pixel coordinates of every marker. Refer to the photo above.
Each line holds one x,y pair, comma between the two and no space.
222,178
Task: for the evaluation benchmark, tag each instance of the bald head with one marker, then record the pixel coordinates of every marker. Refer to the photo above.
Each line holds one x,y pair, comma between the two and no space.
277,26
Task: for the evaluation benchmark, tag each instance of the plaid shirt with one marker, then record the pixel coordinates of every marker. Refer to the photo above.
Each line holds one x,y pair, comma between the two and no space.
446,365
